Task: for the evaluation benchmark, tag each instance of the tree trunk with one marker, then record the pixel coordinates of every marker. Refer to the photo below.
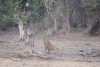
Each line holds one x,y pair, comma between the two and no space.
56,25
21,30
25,34
28,36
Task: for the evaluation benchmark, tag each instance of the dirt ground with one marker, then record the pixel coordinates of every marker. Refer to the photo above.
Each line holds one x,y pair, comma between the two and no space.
75,50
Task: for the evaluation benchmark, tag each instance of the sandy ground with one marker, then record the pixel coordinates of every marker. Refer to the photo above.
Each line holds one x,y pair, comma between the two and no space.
75,50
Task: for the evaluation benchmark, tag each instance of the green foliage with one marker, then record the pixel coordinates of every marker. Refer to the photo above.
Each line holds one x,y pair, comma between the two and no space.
9,17
98,1
15,17
50,20
3,28
67,6
2,23
33,2
90,6
48,5
9,10
60,13
91,2
59,1
24,19
89,13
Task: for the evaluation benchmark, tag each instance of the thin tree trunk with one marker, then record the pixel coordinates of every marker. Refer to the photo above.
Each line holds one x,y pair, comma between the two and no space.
25,34
55,20
21,30
68,24
53,15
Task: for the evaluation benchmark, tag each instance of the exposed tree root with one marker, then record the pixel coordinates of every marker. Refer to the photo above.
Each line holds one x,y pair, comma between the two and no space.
16,56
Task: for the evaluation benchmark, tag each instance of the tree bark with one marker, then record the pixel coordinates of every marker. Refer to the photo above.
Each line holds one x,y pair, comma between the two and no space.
28,36
25,33
56,25
21,30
